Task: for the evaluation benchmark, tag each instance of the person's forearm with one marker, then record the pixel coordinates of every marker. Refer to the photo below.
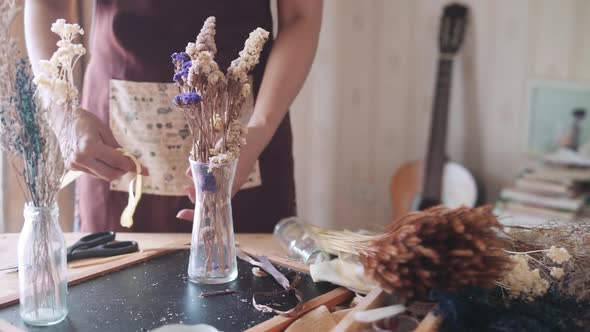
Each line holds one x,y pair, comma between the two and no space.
287,67
39,15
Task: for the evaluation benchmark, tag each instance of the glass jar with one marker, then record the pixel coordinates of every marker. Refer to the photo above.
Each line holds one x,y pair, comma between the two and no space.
213,253
42,267
297,239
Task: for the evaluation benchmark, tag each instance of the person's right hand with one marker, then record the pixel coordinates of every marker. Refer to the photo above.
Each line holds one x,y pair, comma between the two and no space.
94,149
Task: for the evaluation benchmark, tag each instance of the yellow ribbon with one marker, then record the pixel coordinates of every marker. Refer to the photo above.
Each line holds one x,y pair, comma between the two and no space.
135,189
134,195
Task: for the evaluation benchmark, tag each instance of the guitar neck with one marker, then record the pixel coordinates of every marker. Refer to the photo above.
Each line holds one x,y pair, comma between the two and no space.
435,158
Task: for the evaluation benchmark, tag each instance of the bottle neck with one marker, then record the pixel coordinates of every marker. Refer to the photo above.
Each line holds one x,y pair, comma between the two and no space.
35,214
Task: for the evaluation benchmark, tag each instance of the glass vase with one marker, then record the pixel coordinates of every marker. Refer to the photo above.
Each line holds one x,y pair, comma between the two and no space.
213,253
42,267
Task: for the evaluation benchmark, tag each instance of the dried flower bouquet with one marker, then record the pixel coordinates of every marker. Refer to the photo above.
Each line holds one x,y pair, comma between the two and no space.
34,138
439,248
212,103
30,131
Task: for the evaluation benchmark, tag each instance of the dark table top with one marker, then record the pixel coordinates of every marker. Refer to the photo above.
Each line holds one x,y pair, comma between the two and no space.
157,292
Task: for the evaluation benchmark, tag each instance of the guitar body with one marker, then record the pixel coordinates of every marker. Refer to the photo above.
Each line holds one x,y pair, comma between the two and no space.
459,187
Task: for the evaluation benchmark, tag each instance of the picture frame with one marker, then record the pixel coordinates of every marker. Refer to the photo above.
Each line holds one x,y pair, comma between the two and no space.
554,109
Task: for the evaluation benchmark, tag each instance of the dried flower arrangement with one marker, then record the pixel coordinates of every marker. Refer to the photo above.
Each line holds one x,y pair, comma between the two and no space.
439,248
28,128
33,134
212,103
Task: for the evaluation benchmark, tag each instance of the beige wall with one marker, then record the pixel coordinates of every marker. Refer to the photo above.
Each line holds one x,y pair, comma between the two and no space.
366,107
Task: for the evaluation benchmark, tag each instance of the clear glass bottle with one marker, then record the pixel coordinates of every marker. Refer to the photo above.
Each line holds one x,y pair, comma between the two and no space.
213,252
297,239
42,267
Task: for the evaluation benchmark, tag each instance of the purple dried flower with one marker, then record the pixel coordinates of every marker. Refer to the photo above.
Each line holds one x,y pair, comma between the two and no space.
208,182
191,98
177,100
180,57
178,76
186,65
182,71
186,99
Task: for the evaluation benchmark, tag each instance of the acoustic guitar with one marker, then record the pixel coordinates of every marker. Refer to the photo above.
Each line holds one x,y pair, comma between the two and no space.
417,185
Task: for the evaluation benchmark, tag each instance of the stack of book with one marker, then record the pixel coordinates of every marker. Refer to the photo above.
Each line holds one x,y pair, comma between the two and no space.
555,189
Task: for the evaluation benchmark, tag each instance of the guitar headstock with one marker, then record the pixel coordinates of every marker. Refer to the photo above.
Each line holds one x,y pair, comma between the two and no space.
452,28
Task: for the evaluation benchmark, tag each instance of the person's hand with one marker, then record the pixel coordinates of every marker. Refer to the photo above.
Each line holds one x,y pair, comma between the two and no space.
94,149
188,214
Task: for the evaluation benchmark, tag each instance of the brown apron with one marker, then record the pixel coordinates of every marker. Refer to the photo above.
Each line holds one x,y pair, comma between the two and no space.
132,40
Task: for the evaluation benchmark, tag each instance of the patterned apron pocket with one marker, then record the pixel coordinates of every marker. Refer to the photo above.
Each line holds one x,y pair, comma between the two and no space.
145,122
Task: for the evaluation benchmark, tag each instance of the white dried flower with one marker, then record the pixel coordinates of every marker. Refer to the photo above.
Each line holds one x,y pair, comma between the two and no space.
192,77
204,63
217,122
48,68
66,30
60,91
249,56
206,38
246,90
72,29
43,80
216,77
558,255
191,50
524,282
53,80
58,26
220,159
557,273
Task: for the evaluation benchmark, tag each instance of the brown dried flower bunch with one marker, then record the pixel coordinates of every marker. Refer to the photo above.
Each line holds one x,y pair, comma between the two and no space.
439,248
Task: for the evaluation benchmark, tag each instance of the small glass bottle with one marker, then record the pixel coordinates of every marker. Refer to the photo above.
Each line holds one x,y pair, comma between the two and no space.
42,267
296,238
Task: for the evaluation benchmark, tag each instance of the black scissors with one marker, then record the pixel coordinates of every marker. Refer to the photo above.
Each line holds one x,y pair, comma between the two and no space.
101,244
